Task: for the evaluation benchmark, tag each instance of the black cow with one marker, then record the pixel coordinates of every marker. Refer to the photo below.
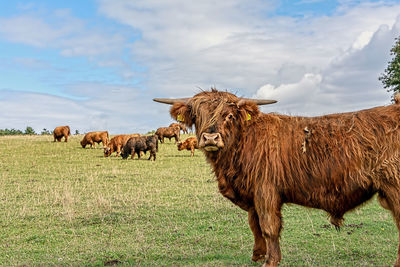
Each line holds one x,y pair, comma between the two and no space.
141,143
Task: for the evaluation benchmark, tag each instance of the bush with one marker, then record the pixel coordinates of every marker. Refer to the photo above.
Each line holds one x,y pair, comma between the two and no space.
29,130
10,132
45,132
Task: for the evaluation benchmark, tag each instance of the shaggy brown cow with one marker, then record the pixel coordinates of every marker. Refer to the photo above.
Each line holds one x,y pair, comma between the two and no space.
189,144
261,161
116,143
60,132
140,144
95,137
168,132
181,126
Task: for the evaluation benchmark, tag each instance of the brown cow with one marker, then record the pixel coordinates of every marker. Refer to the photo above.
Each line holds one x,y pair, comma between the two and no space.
262,161
91,138
189,144
168,132
60,132
116,143
181,126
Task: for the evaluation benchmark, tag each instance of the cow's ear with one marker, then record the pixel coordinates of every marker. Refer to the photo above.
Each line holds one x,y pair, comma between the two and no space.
181,113
248,109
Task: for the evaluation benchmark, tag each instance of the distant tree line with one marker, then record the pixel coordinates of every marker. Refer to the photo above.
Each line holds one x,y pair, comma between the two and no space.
28,131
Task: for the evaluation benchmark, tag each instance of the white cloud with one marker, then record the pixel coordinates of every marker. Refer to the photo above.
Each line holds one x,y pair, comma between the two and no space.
349,82
30,30
222,44
71,36
114,109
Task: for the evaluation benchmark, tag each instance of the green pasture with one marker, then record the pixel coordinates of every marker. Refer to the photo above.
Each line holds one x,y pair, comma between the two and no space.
61,205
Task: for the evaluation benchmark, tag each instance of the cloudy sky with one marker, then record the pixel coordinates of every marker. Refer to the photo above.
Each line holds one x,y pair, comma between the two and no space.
97,65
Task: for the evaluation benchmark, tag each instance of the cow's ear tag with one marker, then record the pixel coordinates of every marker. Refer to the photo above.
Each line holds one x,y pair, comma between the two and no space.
248,117
180,118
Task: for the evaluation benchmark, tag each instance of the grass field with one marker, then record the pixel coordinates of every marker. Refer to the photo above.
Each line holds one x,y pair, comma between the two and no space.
61,205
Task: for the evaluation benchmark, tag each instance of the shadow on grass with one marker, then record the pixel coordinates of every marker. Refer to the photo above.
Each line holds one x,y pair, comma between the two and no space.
181,156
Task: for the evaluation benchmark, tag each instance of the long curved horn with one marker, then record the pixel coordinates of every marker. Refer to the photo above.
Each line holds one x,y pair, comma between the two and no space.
260,101
171,100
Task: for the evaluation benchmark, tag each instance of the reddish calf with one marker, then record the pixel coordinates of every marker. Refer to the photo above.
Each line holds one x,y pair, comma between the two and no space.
189,144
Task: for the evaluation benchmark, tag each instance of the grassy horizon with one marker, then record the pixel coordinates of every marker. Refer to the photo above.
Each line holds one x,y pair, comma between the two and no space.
62,205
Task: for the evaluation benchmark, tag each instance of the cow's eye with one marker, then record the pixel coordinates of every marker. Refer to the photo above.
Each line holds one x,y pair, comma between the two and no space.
229,117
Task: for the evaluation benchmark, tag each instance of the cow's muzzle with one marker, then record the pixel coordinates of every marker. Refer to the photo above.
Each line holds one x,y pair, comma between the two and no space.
211,141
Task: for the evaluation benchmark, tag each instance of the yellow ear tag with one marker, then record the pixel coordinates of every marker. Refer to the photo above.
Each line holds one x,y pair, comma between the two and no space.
248,117
180,118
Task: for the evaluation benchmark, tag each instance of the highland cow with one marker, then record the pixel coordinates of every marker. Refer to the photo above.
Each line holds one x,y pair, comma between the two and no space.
95,137
181,126
169,132
60,132
117,143
135,145
262,161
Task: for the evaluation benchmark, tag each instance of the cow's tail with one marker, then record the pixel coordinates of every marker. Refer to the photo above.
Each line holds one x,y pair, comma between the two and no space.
396,98
156,142
69,131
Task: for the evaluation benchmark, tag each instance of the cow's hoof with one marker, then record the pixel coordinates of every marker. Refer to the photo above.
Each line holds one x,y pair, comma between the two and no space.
258,257
270,264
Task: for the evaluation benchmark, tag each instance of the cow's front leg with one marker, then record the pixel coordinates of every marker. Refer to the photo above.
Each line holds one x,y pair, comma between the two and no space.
268,207
259,249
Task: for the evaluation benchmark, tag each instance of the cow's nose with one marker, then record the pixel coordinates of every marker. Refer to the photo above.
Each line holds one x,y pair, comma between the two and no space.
210,139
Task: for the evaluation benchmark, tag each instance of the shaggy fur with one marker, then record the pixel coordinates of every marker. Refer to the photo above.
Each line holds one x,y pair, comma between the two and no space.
60,132
95,137
189,144
116,143
334,162
169,132
135,145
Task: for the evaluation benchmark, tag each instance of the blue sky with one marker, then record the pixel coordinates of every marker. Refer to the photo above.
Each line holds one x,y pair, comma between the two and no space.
97,64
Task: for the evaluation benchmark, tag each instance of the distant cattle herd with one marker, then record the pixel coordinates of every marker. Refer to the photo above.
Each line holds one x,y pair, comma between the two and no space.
131,144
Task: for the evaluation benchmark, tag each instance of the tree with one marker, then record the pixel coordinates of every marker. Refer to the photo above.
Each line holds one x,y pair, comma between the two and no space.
45,131
10,132
391,77
76,132
29,130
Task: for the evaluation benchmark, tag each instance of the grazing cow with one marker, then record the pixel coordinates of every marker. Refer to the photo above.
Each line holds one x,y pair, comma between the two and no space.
95,137
168,132
60,132
116,143
189,144
181,126
139,144
261,161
